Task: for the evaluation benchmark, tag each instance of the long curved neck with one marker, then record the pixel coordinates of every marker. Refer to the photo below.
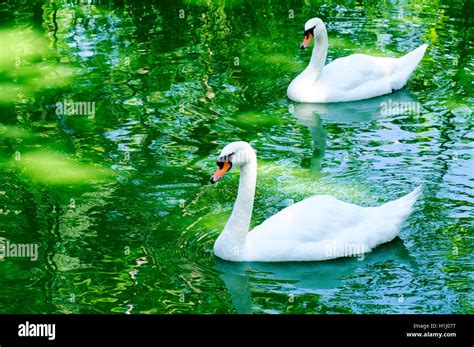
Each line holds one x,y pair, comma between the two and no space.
320,51
230,243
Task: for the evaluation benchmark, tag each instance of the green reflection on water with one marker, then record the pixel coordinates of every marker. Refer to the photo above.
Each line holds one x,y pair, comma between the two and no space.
54,168
24,65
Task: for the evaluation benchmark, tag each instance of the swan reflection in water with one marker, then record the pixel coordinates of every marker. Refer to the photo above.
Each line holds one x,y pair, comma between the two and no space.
295,278
315,115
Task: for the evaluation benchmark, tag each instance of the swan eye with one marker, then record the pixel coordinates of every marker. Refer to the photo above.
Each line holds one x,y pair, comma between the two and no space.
309,32
224,159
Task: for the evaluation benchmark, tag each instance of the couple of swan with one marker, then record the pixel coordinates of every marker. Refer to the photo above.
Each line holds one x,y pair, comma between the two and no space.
319,227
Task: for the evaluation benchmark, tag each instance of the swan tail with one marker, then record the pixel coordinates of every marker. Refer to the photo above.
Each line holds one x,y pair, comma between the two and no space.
393,214
405,204
407,64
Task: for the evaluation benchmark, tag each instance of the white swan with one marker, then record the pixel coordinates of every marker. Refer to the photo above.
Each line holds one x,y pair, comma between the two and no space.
355,77
317,228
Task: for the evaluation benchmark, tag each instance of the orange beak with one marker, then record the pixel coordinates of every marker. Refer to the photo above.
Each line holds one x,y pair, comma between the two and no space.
306,41
221,171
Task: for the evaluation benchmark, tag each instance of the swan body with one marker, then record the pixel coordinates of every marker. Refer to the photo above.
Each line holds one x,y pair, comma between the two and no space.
351,78
317,228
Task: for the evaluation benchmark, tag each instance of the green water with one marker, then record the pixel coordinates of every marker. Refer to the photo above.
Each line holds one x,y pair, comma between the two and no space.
119,204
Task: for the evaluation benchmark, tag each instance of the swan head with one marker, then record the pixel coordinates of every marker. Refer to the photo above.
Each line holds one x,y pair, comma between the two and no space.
235,154
310,27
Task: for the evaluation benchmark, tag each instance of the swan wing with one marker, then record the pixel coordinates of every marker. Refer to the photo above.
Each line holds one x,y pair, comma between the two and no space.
309,228
361,76
357,76
310,220
303,231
